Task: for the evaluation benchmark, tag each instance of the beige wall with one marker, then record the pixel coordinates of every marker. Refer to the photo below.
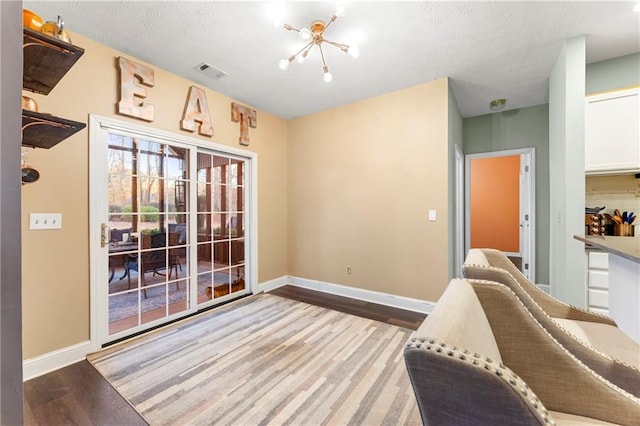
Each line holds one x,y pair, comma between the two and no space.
352,187
55,264
362,178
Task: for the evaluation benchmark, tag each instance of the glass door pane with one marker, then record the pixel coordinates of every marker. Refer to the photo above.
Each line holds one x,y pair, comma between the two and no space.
221,226
148,191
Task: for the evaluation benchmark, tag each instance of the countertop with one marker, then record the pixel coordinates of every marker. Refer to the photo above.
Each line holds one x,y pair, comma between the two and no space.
627,247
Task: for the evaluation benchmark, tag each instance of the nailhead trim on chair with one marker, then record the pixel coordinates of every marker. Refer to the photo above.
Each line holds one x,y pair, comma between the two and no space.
576,338
494,268
532,401
553,339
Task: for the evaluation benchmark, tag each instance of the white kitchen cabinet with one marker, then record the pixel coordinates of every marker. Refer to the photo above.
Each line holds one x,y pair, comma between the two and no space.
598,281
612,132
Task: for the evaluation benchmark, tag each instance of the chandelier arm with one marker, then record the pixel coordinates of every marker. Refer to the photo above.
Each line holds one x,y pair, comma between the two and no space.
307,46
341,46
324,64
331,21
290,28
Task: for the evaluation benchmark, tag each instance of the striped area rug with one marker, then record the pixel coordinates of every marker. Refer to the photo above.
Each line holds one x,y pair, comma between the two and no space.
266,360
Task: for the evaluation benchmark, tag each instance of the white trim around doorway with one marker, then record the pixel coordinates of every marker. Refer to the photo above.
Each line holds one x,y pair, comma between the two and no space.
460,212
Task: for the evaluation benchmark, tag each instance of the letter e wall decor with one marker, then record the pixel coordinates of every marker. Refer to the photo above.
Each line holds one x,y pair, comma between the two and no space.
131,94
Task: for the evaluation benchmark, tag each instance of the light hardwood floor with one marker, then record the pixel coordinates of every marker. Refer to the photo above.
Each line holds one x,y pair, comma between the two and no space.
79,395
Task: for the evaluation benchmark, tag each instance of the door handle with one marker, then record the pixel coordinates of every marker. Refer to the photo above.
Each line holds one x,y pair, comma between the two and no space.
105,235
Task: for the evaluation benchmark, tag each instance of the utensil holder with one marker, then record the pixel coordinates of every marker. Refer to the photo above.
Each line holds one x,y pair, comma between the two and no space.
623,229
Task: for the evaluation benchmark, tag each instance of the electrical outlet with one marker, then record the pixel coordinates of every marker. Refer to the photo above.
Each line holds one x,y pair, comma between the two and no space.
432,215
39,221
348,270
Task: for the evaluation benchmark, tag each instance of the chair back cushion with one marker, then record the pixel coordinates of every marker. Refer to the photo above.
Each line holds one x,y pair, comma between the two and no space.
456,369
494,265
605,349
562,382
459,320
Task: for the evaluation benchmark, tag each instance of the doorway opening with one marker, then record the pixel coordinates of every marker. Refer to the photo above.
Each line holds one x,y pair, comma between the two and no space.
500,205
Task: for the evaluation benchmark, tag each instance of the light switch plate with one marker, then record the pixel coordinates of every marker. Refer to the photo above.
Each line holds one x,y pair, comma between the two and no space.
432,215
39,221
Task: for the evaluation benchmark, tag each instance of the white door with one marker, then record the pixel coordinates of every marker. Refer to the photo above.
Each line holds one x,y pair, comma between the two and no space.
487,192
171,227
527,213
460,248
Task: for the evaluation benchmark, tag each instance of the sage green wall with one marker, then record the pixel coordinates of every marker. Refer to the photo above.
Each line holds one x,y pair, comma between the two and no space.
519,128
454,137
529,127
616,73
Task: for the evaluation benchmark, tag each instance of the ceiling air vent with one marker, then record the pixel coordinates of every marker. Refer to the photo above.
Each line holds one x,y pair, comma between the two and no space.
211,71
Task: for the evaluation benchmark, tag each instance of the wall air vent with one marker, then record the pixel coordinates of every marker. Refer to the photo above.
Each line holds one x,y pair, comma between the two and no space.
211,71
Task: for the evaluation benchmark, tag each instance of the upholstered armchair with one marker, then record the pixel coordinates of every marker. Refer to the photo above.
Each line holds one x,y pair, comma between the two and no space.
481,358
490,259
591,337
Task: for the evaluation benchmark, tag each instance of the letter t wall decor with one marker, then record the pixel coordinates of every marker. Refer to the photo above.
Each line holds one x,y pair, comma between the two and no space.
131,95
247,117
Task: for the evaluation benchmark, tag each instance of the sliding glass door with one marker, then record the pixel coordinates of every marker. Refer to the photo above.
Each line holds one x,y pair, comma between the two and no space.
149,231
172,219
221,226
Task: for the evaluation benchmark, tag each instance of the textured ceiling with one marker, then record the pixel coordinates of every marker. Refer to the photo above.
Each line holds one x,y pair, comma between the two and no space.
489,49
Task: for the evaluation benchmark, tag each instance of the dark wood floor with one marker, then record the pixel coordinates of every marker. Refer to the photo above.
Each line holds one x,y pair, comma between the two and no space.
395,316
76,395
79,395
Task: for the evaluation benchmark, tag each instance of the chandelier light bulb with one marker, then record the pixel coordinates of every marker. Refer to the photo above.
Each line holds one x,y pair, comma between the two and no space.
327,77
276,11
354,52
305,34
284,64
340,10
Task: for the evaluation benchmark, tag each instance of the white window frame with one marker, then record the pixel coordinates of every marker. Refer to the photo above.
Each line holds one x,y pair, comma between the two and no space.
99,128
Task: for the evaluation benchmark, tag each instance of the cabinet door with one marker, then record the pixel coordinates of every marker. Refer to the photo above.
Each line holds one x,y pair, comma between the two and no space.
612,137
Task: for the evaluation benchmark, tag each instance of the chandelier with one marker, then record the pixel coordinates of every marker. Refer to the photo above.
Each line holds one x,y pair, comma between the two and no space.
314,35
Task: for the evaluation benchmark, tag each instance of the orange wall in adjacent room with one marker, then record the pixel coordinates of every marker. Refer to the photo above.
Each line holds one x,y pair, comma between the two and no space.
495,203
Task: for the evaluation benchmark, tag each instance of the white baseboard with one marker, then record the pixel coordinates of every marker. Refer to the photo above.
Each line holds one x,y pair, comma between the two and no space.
386,299
51,361
273,284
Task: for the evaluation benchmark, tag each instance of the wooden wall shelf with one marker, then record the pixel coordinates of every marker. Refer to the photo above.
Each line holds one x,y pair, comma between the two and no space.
45,131
46,61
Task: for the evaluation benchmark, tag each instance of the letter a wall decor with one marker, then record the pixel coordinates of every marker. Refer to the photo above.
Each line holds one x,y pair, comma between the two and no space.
197,110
